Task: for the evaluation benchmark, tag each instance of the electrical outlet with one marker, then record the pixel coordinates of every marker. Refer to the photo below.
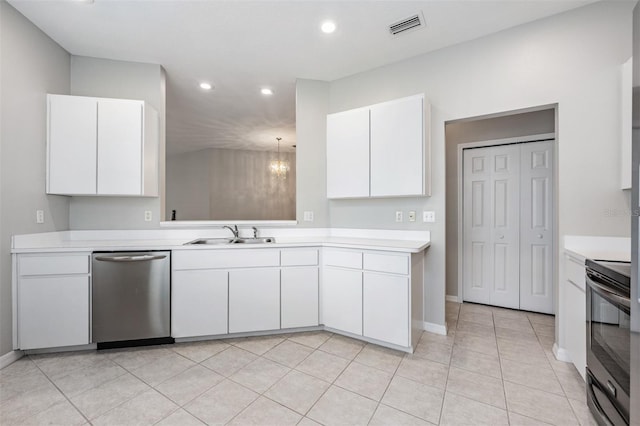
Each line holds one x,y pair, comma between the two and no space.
147,216
39,216
308,216
399,216
412,216
428,216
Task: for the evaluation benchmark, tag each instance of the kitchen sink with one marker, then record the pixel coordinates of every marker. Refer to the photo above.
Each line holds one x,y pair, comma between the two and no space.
262,240
210,241
218,241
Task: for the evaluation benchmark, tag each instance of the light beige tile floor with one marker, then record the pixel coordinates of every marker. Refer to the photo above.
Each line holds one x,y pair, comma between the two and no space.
495,367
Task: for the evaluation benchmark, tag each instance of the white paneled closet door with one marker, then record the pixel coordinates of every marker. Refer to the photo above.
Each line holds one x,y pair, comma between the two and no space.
536,227
508,226
491,225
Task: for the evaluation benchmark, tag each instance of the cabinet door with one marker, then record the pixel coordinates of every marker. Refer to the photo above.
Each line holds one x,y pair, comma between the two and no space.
199,301
386,308
119,147
348,154
576,326
71,145
254,300
299,297
342,299
53,311
397,148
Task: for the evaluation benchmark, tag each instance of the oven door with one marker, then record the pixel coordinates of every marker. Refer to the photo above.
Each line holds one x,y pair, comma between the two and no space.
608,346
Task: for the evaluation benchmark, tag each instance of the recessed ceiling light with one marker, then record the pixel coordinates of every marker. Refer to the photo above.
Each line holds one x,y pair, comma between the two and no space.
328,27
205,86
266,91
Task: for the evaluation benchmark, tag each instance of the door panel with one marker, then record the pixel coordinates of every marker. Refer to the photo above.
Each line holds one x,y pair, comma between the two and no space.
536,235
501,254
491,221
477,172
508,226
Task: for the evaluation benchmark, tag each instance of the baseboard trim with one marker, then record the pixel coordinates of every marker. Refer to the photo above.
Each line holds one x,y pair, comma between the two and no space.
10,358
561,354
450,298
434,328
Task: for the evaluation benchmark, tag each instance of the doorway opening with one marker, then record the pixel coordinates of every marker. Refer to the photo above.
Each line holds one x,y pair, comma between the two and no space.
489,260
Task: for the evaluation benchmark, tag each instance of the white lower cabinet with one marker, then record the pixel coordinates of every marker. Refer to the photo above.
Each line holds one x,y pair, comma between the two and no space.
370,293
254,300
53,301
53,312
241,291
299,297
199,303
385,308
366,293
342,299
575,313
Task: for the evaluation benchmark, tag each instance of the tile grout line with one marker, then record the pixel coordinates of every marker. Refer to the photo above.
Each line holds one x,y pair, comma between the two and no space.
333,382
59,390
388,384
555,374
278,381
504,388
446,383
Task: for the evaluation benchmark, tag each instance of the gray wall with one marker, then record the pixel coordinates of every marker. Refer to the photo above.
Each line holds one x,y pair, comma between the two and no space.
221,184
31,65
458,132
125,80
572,59
312,106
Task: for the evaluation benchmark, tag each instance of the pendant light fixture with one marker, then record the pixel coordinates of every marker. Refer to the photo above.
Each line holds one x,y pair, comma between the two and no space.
279,167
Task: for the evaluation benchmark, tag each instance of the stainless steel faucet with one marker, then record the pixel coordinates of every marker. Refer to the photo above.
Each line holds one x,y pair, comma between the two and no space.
255,232
234,230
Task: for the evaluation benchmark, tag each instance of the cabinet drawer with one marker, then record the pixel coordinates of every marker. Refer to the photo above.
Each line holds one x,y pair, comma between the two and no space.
53,265
299,257
394,264
213,259
575,272
343,258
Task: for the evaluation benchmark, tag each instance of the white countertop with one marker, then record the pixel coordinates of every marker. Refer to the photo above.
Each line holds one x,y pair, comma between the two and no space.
66,241
585,247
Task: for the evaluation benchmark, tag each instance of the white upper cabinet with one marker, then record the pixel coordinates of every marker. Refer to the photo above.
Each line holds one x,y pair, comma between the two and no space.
99,146
71,145
348,154
397,148
379,150
626,122
119,147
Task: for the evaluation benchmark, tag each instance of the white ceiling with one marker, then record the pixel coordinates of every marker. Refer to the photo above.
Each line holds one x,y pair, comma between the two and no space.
240,46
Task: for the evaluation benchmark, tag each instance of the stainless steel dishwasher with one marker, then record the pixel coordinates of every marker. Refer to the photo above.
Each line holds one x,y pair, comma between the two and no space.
131,298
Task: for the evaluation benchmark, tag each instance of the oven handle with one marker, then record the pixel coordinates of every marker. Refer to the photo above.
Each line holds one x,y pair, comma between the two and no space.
594,399
607,293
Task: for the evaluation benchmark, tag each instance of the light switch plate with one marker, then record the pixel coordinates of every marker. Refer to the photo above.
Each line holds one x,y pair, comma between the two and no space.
308,216
428,216
399,216
412,216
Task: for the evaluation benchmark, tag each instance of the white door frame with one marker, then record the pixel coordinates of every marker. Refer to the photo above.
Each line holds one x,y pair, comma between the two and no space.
482,144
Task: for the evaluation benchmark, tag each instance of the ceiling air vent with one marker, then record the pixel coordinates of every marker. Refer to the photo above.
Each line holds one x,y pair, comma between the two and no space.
411,23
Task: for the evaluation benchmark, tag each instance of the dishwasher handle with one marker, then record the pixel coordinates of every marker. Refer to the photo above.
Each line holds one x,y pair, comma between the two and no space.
140,258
